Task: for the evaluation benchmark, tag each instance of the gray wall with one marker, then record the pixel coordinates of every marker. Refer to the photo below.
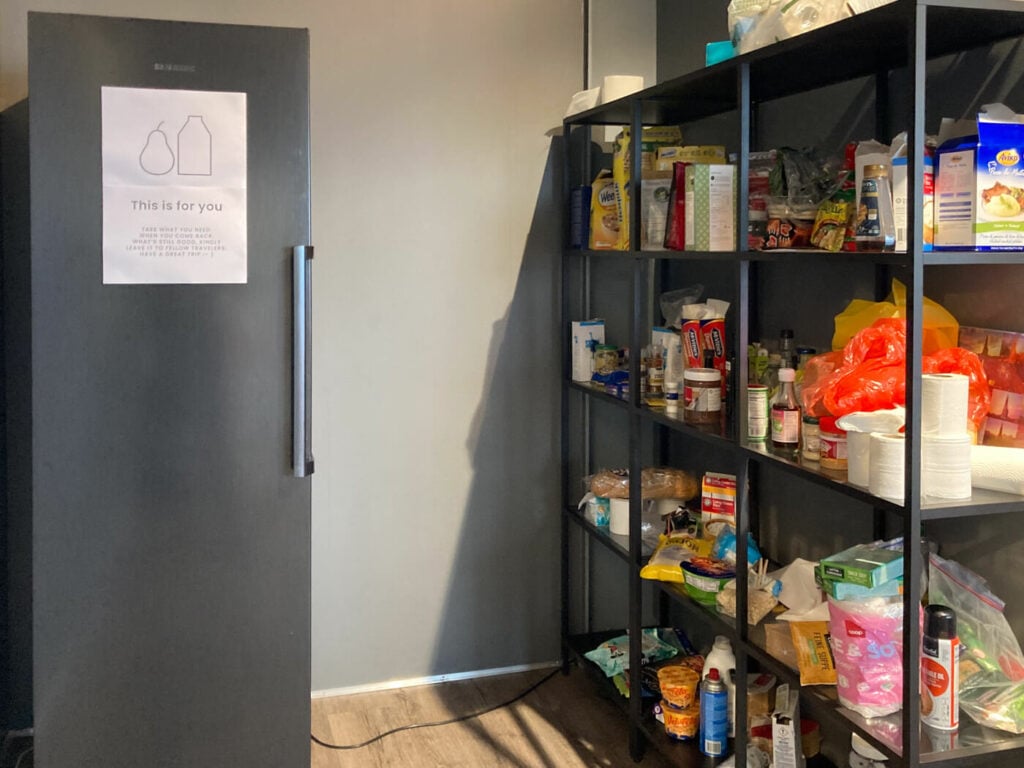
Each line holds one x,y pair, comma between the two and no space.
435,215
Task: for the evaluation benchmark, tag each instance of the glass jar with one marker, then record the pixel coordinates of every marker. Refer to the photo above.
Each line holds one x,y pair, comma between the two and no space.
606,359
832,443
810,435
702,395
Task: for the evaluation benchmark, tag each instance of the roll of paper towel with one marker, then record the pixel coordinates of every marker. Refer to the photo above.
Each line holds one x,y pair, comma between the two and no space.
944,404
946,466
997,468
886,466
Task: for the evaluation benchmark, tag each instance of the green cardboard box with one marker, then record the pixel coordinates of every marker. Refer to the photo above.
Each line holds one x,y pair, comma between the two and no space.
864,565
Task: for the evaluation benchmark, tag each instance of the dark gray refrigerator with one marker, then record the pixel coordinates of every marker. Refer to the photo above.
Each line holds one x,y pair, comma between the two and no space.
156,314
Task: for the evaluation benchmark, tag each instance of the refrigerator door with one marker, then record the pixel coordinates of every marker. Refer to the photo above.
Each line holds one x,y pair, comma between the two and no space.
171,539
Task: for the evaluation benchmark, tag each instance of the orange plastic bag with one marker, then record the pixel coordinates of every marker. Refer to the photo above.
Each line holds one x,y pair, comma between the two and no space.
870,374
940,329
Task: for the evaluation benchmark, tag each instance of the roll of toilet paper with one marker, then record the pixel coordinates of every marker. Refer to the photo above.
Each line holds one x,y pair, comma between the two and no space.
619,522
886,466
858,456
946,467
997,468
617,86
944,404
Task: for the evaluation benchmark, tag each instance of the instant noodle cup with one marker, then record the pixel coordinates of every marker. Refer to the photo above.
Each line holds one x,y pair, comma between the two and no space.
681,724
678,685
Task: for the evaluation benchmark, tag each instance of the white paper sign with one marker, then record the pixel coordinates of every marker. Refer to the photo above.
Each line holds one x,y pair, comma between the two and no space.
174,186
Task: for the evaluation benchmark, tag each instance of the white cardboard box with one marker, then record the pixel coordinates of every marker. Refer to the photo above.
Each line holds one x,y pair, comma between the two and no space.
710,207
586,335
787,751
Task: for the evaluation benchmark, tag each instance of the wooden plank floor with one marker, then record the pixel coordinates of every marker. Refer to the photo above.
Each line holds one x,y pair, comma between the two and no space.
563,724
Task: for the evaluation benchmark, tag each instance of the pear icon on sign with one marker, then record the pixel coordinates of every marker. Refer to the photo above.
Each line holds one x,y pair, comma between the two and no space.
156,158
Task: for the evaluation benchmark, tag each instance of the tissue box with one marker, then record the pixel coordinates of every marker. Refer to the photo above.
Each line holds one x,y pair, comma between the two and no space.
710,223
864,565
586,335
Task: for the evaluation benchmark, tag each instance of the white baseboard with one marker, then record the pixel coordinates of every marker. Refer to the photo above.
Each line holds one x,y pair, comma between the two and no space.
432,680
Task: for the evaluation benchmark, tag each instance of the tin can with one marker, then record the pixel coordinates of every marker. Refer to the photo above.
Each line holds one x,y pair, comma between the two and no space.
940,669
757,412
714,715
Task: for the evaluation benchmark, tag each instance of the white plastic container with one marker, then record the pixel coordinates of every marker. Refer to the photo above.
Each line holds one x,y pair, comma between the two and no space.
722,658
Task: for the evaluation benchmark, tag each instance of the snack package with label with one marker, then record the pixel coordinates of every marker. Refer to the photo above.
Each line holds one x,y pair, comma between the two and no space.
813,654
867,643
656,483
612,656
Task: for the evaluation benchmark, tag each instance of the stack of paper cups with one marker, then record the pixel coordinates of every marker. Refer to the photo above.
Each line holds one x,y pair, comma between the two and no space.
945,441
886,466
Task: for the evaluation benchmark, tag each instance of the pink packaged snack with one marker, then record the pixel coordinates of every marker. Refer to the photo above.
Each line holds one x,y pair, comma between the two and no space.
867,642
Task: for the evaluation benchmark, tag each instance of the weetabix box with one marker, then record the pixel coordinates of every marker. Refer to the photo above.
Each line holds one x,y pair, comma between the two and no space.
710,207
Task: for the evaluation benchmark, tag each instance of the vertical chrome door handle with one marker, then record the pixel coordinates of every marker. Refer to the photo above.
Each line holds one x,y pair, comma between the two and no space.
302,360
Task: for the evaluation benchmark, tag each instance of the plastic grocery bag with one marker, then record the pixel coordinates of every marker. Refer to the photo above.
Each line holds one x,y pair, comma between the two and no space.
867,643
991,662
870,374
940,328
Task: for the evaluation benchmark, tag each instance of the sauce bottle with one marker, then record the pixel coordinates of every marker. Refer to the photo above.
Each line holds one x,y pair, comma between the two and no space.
785,415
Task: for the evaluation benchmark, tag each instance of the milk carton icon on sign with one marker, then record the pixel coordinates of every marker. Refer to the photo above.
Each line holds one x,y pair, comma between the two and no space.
195,148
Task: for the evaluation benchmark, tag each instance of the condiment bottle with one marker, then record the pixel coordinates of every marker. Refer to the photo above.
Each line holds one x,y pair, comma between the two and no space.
785,416
876,227
810,439
787,348
832,445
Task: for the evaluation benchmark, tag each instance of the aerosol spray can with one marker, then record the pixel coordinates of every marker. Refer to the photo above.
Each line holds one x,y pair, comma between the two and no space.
714,715
940,669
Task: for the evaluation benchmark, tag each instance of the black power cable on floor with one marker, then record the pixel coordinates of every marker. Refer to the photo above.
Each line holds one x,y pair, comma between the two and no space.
463,718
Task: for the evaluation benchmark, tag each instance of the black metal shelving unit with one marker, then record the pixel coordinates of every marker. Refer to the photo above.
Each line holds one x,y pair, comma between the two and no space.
903,35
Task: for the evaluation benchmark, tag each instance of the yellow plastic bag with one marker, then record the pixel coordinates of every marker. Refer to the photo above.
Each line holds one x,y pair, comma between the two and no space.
941,329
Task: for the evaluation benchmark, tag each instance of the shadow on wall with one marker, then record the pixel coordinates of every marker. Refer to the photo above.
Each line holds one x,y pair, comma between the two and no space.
503,597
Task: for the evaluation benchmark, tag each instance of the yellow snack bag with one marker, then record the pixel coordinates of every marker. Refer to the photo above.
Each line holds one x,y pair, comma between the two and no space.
813,654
